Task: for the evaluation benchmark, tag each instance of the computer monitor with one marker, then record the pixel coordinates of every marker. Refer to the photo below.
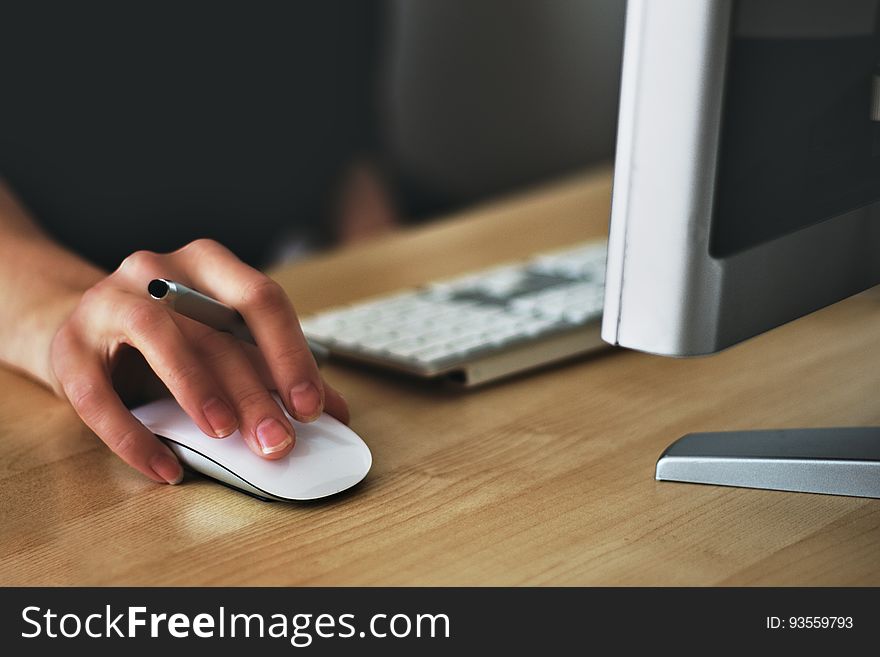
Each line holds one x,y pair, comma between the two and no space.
746,194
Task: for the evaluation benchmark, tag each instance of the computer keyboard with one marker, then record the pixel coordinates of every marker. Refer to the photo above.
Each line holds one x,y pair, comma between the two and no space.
478,327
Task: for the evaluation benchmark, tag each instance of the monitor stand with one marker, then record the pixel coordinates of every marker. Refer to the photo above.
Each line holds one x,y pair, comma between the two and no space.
840,461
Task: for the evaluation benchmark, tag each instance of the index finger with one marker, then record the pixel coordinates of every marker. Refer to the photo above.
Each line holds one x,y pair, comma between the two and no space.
270,316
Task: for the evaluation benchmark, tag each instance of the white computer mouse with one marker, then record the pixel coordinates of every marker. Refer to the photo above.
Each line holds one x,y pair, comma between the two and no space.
327,458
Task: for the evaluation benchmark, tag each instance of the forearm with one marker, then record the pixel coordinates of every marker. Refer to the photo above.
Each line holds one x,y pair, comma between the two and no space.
40,283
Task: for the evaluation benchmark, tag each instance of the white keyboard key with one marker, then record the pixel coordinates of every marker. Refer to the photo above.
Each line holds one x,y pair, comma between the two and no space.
379,343
467,344
577,316
406,347
505,336
539,326
321,335
432,354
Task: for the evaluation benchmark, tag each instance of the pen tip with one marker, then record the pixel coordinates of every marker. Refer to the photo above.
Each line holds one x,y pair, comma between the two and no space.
157,288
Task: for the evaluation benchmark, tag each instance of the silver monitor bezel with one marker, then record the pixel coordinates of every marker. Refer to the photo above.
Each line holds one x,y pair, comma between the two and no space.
665,293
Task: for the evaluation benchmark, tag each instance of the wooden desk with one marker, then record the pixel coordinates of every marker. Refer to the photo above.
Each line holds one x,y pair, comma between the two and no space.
545,479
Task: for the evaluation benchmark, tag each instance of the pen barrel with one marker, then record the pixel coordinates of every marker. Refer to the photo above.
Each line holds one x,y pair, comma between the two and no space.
202,308
209,311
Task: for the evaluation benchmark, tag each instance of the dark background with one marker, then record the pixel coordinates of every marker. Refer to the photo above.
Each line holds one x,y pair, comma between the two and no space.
145,125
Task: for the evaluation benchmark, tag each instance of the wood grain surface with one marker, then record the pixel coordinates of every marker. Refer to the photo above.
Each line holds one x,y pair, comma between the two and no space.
545,479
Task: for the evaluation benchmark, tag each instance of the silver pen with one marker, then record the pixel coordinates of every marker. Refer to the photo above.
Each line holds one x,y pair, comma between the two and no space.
207,310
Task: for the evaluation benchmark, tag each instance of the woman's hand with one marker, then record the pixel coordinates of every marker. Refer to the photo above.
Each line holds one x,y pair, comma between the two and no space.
221,383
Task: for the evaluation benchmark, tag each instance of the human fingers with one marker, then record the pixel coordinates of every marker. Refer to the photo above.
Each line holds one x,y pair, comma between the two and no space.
86,383
270,316
262,422
118,316
334,402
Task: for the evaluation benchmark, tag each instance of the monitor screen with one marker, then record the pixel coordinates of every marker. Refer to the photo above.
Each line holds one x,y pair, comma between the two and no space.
798,143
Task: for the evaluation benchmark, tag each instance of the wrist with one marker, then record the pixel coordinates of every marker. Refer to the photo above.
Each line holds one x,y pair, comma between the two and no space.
32,343
42,284
45,284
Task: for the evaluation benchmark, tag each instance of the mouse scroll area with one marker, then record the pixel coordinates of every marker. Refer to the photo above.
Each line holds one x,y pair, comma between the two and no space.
328,457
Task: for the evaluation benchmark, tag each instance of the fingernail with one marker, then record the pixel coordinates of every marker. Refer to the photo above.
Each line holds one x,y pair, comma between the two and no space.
273,436
306,401
220,417
167,467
